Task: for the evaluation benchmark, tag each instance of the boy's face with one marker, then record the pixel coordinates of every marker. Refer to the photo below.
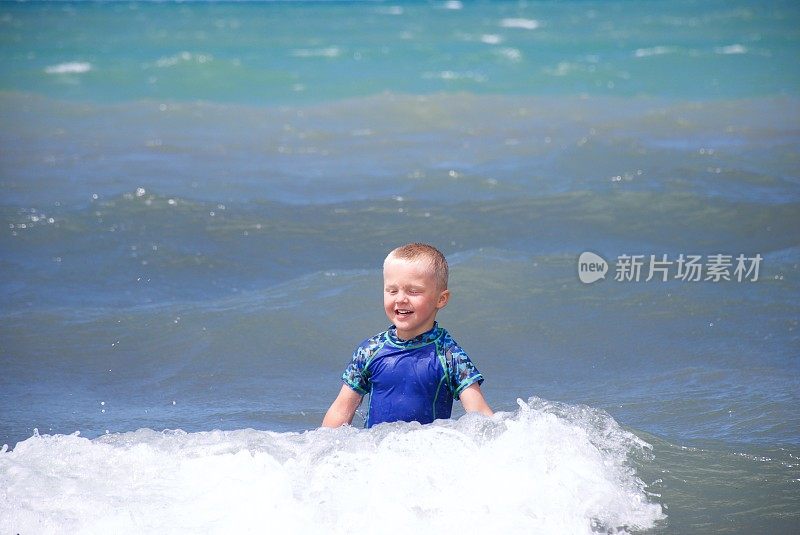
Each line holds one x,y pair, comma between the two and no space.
411,297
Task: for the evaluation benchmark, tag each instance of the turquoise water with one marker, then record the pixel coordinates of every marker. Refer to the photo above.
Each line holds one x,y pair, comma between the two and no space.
272,53
196,199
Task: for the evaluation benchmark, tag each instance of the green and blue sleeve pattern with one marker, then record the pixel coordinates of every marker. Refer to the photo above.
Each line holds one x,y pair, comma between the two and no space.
461,372
356,375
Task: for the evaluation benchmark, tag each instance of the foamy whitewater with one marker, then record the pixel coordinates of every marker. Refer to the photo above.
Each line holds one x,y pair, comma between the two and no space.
547,468
196,199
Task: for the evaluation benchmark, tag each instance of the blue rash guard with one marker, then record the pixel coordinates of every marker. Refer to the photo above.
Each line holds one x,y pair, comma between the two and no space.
410,380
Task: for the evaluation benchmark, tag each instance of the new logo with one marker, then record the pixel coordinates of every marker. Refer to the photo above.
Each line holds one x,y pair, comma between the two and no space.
591,267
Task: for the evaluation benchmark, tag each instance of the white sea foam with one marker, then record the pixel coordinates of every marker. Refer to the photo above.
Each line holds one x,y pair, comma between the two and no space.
543,469
453,4
491,39
511,54
564,68
731,49
391,10
72,67
654,51
456,76
327,52
523,24
183,57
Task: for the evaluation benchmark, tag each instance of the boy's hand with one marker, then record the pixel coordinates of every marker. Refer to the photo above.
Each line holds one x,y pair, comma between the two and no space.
473,401
343,408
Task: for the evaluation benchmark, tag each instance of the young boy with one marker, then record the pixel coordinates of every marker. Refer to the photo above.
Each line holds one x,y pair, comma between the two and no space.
413,370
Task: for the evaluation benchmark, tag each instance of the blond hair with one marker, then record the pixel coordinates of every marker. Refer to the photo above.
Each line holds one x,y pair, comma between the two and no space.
422,252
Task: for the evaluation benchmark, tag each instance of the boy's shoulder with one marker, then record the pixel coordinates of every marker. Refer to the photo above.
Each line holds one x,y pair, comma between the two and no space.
447,343
369,347
376,340
446,337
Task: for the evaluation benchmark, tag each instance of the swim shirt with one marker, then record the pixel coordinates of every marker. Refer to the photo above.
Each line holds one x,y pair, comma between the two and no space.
410,380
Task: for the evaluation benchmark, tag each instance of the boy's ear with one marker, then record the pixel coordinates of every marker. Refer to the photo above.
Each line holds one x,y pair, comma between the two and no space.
444,297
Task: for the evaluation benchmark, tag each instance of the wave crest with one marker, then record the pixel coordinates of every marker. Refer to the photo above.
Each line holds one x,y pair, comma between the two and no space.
547,467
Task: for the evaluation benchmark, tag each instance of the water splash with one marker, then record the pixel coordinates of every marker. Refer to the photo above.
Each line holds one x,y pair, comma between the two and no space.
547,467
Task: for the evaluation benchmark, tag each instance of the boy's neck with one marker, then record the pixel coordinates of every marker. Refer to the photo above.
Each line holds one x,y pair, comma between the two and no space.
405,337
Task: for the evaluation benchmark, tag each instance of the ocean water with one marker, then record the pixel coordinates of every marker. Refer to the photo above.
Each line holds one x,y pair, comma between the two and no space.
196,199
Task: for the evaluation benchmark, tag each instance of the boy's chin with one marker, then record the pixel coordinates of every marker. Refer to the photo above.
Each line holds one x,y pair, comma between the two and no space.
406,320
402,327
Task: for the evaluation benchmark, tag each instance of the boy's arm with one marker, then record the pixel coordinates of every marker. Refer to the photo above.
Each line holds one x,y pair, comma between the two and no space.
473,401
343,408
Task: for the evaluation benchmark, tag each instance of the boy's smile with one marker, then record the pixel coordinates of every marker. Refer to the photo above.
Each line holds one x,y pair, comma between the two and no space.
411,297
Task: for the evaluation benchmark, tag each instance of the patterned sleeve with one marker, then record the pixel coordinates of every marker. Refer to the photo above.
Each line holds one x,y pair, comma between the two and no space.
460,369
356,375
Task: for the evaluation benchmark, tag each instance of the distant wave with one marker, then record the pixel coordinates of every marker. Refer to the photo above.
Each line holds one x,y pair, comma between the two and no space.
564,68
455,75
391,10
329,52
731,49
654,51
72,67
183,57
523,24
663,50
511,54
